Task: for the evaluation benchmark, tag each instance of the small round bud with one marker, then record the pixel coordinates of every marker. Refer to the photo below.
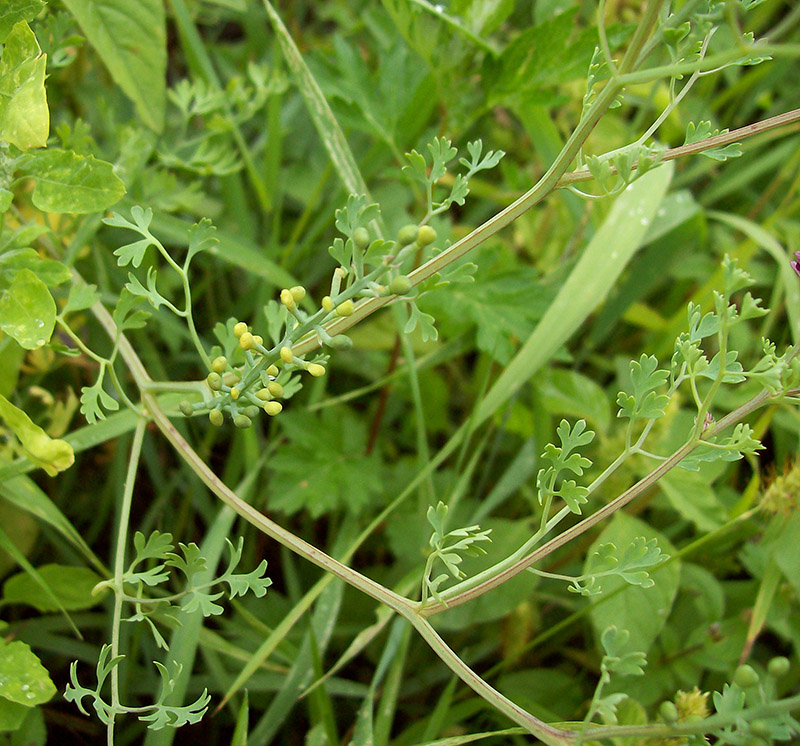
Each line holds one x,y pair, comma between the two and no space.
407,234
361,238
400,285
272,370
298,293
345,308
287,299
327,304
286,354
264,394
426,235
235,393
186,408
273,407
316,370
745,677
239,329
668,712
214,381
246,341
778,666
258,339
220,364
242,421
215,417
252,411
341,342
760,728
275,389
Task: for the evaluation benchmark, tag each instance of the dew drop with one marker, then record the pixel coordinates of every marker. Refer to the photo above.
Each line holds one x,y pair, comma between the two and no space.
644,221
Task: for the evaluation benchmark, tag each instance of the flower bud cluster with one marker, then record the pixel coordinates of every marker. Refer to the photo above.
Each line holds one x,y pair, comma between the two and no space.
245,390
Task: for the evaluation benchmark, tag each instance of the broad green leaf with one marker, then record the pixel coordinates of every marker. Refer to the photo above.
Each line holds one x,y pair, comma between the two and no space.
24,116
71,586
51,454
68,182
49,271
23,679
567,392
693,497
14,11
606,256
640,611
12,715
81,297
323,466
130,38
28,311
33,731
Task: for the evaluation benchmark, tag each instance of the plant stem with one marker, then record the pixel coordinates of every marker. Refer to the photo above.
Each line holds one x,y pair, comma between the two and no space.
119,566
544,732
503,571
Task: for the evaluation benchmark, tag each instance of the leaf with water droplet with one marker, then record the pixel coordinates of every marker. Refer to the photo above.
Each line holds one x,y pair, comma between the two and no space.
23,678
28,311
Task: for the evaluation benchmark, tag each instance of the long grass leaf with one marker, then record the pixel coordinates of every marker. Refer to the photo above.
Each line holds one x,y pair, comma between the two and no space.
606,256
328,128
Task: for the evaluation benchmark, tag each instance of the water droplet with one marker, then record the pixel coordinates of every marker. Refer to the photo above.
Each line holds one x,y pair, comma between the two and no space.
24,687
644,221
661,212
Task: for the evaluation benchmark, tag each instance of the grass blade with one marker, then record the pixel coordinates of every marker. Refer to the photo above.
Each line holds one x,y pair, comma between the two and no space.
606,256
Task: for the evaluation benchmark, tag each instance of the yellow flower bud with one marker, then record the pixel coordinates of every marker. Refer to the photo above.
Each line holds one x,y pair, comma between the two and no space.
298,293
273,407
275,389
216,417
264,394
345,308
286,354
426,235
287,299
258,339
239,329
316,370
272,370
220,364
235,393
246,341
327,304
214,381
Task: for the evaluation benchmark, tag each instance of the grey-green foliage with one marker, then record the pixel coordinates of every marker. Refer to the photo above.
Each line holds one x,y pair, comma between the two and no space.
154,560
450,547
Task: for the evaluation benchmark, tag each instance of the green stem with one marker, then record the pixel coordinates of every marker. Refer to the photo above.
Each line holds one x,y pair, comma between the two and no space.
546,733
119,566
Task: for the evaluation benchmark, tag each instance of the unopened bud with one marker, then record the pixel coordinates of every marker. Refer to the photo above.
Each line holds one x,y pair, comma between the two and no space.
273,407
345,308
